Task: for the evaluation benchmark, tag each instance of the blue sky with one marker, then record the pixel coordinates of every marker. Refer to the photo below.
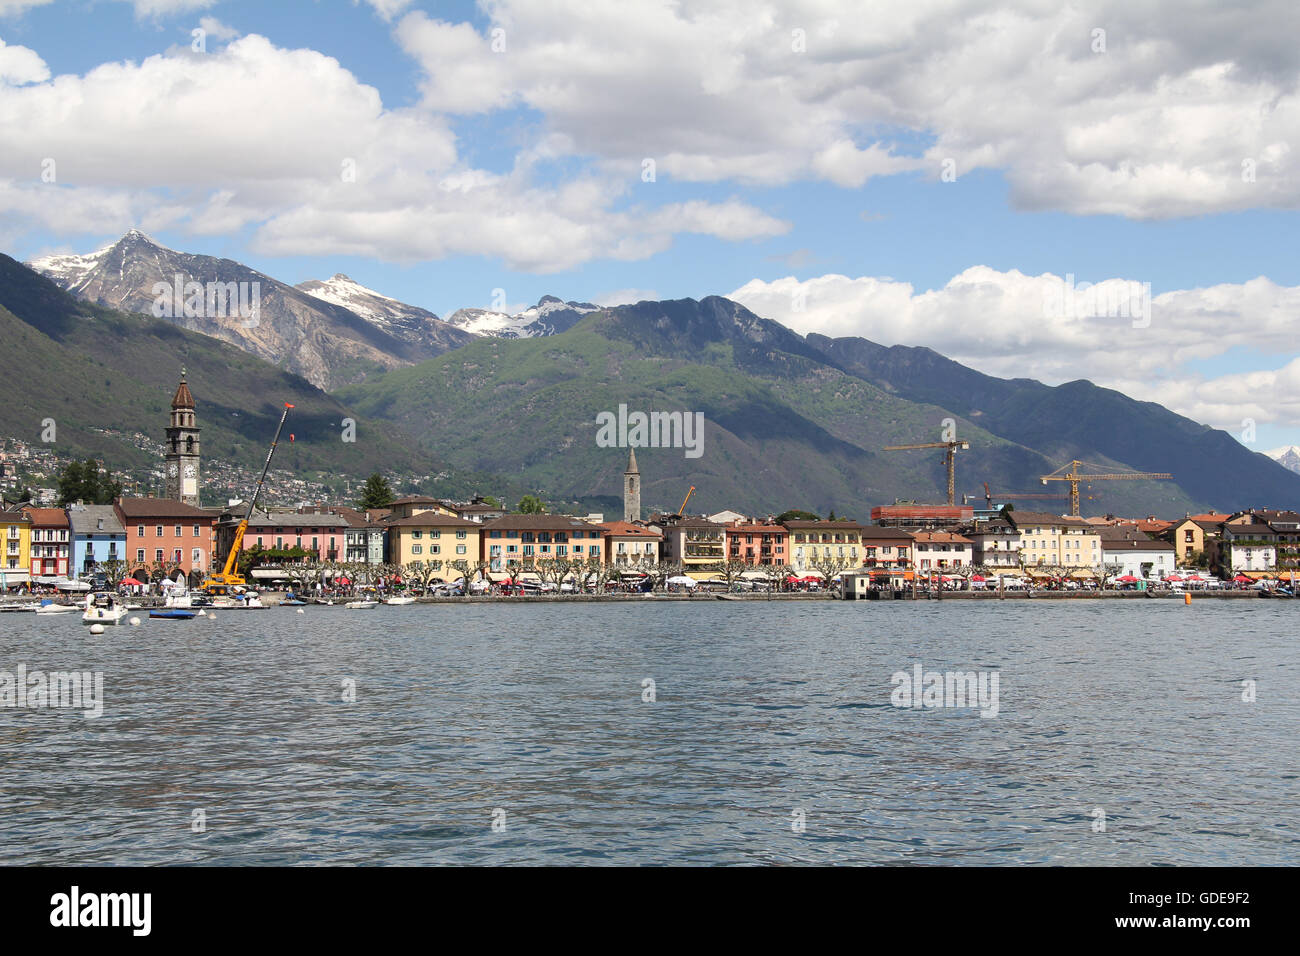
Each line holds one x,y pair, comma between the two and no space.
778,168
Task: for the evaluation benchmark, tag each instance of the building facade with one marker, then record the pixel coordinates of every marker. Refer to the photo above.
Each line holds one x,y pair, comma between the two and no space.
431,536
627,543
814,542
1048,540
51,543
97,537
938,550
888,548
515,541
697,544
166,534
631,489
762,545
16,531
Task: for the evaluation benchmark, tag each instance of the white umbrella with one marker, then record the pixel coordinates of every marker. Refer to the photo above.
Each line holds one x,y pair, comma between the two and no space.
683,579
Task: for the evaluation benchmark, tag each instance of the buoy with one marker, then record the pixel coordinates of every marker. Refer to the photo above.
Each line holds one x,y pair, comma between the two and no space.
202,613
97,629
1187,599
134,622
301,611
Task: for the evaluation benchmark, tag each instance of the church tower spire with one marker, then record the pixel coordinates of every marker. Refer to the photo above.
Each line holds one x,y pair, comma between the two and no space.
182,458
631,489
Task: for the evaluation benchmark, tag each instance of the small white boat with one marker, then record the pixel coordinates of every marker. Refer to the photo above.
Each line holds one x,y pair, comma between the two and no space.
103,608
361,605
400,600
49,607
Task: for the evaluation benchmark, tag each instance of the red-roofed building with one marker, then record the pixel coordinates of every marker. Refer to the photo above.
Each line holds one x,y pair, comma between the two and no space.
163,532
755,543
627,542
51,542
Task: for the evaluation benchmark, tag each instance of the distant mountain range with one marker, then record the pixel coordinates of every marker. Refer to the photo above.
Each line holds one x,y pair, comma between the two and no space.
791,421
326,343
1288,456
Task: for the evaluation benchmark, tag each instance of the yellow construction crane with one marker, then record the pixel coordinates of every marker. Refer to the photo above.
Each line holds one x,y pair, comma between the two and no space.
950,458
1013,496
228,577
682,510
1072,474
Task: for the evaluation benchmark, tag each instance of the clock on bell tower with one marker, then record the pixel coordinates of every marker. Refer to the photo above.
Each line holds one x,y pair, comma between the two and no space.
182,461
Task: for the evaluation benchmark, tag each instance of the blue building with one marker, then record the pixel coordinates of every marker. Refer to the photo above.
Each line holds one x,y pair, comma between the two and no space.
97,536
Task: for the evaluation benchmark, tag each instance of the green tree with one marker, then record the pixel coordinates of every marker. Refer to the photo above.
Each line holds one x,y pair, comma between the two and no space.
831,516
376,493
795,514
531,505
84,481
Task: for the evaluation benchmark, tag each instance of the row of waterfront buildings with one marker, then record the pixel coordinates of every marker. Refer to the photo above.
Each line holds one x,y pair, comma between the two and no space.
147,538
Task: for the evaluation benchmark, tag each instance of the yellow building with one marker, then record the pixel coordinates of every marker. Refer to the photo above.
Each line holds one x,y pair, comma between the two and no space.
15,565
1054,541
408,507
434,536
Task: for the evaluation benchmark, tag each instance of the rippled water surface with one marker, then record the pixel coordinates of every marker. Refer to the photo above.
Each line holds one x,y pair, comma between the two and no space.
762,709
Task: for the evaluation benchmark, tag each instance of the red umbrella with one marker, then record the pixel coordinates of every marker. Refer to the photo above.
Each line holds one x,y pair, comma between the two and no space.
344,581
1127,579
1242,579
1191,577
977,577
1174,577
133,582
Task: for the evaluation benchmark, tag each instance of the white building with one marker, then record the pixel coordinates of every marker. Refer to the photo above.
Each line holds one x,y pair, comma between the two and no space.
940,549
1136,553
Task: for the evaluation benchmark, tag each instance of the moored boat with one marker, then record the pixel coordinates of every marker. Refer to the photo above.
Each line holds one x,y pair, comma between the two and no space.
361,605
103,608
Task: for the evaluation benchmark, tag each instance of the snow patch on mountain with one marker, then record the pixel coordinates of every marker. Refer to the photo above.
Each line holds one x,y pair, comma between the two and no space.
550,316
1288,456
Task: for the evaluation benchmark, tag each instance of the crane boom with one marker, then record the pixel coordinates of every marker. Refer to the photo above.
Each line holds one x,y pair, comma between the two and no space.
682,509
1073,475
949,458
228,577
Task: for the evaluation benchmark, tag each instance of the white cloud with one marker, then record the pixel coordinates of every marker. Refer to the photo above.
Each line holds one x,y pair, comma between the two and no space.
1157,125
289,142
18,64
1013,325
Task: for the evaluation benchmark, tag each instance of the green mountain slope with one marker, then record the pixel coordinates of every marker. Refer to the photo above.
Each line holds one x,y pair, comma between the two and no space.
93,369
786,425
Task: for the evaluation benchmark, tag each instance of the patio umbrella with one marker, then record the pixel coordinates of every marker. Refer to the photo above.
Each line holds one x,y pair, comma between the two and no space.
1127,579
1242,579
683,579
1174,577
133,582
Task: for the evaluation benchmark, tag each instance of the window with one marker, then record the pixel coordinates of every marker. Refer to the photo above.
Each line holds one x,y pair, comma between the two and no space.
196,558
460,534
417,549
158,531
158,555
460,549
435,549
196,531
139,555
417,535
178,531
139,531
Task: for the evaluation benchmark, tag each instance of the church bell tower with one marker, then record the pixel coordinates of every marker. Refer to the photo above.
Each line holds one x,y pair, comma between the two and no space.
631,489
182,465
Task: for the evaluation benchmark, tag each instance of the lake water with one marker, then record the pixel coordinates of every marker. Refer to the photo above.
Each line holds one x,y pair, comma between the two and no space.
771,739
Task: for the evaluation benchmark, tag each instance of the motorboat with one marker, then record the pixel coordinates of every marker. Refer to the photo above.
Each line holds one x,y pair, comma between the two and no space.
103,608
400,600
361,605
292,600
172,614
50,607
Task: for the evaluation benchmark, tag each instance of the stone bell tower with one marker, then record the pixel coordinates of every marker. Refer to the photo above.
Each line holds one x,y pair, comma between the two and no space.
182,464
631,489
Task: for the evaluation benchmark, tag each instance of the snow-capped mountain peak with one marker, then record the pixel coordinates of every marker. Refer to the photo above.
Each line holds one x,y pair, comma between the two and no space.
1288,456
549,316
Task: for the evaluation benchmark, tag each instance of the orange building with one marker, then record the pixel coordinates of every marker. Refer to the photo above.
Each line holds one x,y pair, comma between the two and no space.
160,531
753,543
